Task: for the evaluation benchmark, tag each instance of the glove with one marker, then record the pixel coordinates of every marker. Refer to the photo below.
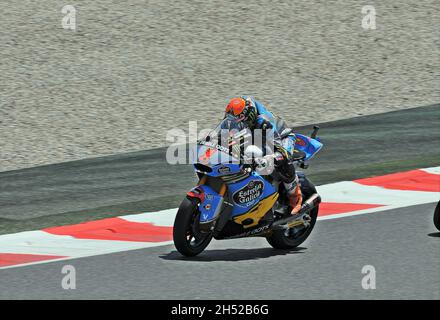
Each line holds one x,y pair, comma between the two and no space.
262,162
265,165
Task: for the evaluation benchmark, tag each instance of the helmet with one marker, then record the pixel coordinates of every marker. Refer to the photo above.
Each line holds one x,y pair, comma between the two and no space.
242,109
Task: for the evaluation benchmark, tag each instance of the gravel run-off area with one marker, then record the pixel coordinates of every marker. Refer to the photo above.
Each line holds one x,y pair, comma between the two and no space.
134,69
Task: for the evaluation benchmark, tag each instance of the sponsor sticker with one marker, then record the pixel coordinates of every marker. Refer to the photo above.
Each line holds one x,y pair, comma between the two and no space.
300,142
224,170
247,195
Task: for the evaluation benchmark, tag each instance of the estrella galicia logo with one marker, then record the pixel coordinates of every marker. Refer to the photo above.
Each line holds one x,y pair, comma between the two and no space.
224,169
249,193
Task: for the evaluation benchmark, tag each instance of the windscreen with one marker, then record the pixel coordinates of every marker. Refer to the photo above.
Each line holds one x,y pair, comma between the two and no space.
226,137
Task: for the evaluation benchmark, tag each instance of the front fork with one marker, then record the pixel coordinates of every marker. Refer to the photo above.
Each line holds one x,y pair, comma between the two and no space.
210,203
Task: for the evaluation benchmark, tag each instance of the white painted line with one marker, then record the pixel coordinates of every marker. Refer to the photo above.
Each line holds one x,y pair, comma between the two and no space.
98,253
358,212
433,170
353,192
43,243
163,218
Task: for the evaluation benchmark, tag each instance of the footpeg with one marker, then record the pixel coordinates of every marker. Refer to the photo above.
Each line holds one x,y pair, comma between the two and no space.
302,218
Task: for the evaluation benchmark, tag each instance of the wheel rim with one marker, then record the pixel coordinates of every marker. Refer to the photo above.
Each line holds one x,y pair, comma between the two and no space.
296,233
194,238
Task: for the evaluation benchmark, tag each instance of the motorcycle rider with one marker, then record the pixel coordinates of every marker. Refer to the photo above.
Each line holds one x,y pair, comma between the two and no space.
252,114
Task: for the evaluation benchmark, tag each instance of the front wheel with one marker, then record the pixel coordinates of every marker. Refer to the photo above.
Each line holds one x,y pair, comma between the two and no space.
187,237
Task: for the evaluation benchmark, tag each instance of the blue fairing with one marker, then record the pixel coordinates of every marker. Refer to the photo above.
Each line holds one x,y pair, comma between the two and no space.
306,144
254,178
224,169
210,207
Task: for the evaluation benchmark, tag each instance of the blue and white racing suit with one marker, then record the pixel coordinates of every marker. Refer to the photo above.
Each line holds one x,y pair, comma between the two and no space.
284,144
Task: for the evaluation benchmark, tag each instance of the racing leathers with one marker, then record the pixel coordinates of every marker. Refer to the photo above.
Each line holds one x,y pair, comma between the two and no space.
256,116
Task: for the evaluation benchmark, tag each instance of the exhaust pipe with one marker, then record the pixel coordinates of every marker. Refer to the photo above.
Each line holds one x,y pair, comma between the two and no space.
307,206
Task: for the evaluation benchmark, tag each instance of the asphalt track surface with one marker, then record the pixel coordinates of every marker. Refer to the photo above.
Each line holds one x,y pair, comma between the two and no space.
91,189
402,245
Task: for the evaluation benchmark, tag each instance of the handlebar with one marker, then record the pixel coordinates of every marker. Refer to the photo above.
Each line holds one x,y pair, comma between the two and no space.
315,132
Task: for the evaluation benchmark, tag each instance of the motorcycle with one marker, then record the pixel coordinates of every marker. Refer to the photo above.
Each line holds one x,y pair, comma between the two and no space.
437,216
233,200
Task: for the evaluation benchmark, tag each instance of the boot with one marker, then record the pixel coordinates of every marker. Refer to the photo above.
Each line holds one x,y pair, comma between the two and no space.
294,195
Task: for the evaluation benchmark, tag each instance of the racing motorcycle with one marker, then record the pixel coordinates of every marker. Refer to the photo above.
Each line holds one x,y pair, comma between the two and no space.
233,200
437,216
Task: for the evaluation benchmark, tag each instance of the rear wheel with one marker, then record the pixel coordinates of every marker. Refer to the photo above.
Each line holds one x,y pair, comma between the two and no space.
292,238
437,216
187,237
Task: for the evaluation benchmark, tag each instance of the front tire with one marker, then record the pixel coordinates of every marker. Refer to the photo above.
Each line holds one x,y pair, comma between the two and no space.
188,239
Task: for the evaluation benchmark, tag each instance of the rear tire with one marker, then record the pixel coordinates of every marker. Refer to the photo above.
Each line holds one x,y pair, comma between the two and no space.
279,240
186,235
437,216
